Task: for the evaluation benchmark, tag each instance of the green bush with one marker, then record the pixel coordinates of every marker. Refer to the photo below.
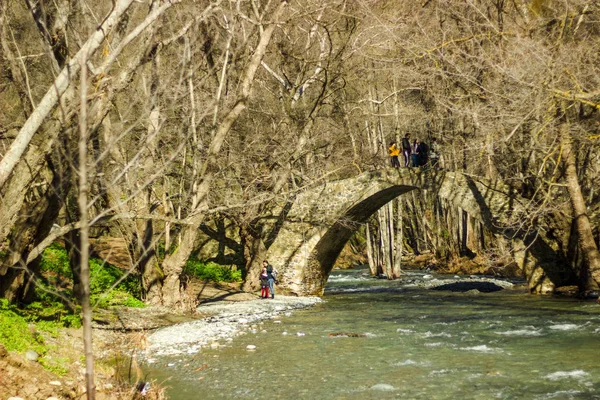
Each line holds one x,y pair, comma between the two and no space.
211,271
19,332
56,260
55,264
103,276
51,314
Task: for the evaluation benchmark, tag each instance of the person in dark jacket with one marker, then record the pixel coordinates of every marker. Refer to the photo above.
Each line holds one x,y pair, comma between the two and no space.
272,277
423,153
406,150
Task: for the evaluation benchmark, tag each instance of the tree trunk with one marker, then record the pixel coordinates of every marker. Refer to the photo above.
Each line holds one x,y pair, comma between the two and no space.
174,263
29,225
254,252
396,271
370,250
590,273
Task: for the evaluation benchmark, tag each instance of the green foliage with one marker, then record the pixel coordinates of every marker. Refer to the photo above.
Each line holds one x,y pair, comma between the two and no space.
103,276
15,332
212,272
56,260
49,315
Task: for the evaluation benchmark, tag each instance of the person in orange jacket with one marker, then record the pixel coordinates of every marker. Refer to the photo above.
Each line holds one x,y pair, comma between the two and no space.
394,152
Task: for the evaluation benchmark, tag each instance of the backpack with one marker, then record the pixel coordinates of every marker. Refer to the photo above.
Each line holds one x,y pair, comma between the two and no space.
271,272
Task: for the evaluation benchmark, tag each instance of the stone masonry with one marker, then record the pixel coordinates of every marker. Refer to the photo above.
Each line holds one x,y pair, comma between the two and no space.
323,218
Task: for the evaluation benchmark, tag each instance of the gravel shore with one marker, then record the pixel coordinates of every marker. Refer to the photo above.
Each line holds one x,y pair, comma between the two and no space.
225,321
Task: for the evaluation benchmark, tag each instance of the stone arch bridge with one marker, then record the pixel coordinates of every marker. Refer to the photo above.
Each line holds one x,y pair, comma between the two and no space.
323,218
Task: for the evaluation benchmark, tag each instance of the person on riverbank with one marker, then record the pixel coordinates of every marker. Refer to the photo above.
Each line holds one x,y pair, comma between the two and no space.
272,277
394,152
264,283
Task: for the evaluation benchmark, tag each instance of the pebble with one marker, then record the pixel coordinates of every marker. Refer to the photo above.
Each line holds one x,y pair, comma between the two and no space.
251,347
227,321
31,355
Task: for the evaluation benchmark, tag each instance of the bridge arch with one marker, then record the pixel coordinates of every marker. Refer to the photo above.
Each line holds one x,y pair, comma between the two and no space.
323,218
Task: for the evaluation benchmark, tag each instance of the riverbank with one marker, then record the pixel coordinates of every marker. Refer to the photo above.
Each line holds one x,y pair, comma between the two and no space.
121,336
223,321
124,336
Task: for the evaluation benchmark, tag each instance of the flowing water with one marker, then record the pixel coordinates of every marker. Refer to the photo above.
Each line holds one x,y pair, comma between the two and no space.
377,339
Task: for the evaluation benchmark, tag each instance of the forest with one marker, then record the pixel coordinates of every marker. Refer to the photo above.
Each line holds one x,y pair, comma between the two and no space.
168,124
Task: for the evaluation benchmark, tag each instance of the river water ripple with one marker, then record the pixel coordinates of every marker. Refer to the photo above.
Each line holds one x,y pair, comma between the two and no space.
379,339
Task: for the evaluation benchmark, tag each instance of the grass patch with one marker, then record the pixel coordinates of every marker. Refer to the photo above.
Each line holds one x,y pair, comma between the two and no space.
16,333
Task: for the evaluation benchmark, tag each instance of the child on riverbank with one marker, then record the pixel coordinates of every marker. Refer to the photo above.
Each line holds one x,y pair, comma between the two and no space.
264,284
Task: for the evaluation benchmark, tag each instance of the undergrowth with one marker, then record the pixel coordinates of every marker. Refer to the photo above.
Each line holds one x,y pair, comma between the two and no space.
109,285
55,307
210,271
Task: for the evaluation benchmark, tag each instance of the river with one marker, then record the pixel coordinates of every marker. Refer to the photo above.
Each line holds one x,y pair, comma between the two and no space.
382,339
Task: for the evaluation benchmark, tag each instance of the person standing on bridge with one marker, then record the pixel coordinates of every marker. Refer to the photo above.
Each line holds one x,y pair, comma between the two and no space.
272,277
434,153
394,152
406,150
414,153
423,153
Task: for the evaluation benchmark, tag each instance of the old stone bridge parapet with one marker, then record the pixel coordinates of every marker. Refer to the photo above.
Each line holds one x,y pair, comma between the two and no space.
323,218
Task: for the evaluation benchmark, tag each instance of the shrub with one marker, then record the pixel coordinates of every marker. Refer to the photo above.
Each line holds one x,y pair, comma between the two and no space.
102,278
211,271
51,314
56,260
55,265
